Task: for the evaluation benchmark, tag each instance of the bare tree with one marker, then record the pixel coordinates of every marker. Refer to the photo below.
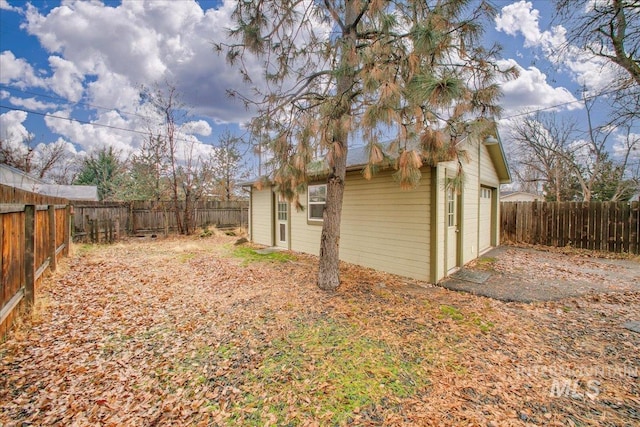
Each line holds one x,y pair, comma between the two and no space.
171,110
621,176
543,155
196,177
609,30
17,154
50,156
52,161
571,163
228,166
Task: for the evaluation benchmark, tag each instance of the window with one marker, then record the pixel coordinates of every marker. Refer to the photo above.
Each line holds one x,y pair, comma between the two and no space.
283,214
282,210
317,198
485,193
451,207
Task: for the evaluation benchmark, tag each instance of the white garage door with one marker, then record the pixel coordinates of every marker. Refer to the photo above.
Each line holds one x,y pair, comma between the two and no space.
485,218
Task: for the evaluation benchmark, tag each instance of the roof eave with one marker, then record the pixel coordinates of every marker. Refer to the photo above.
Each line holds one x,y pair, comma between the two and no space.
499,159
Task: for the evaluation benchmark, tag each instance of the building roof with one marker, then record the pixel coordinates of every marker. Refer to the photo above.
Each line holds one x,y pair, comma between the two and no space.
70,192
358,156
496,152
516,194
16,178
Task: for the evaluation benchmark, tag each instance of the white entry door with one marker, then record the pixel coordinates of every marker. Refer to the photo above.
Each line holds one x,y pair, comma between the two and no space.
452,229
484,222
282,222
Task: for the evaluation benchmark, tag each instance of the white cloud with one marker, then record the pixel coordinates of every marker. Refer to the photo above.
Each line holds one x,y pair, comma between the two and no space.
4,5
594,74
143,42
521,18
66,80
12,129
197,127
588,71
31,103
103,54
624,144
17,71
532,91
92,137
101,92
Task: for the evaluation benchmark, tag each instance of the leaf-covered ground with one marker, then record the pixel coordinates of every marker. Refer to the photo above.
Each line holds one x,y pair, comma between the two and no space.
189,331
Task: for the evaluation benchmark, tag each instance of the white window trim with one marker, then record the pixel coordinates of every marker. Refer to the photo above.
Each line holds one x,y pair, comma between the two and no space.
309,202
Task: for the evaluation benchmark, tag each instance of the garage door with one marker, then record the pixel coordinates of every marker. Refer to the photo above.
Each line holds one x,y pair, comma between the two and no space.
485,218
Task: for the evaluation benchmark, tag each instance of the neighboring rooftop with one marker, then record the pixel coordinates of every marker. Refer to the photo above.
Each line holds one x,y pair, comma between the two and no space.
519,196
16,178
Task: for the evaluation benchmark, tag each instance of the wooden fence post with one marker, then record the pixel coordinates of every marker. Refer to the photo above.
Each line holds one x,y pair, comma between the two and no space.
52,237
132,218
72,220
68,226
29,256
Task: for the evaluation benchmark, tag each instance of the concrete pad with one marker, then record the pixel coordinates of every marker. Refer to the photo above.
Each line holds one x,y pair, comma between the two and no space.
633,326
267,251
530,275
473,276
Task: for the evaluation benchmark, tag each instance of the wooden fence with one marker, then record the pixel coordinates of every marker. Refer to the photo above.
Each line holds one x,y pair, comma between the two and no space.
33,236
602,226
105,221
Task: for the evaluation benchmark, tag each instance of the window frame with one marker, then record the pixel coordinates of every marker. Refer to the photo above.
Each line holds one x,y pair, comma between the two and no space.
282,210
451,208
310,219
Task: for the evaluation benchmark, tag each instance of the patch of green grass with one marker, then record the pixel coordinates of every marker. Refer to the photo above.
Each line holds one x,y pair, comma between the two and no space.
249,255
451,312
457,368
116,343
207,232
226,351
338,370
474,319
485,326
183,258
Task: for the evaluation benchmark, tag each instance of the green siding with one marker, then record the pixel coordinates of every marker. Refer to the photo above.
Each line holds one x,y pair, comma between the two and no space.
386,228
382,227
389,229
262,218
478,171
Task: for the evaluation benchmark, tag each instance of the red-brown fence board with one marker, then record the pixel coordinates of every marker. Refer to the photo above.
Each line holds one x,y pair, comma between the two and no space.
95,221
18,280
604,226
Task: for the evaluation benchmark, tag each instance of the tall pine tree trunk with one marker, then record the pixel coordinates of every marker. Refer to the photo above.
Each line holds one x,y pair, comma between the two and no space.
329,265
329,262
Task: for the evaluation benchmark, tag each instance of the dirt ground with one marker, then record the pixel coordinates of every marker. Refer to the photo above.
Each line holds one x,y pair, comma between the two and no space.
195,332
527,275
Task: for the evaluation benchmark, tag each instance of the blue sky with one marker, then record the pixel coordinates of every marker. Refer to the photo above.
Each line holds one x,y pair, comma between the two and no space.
86,60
